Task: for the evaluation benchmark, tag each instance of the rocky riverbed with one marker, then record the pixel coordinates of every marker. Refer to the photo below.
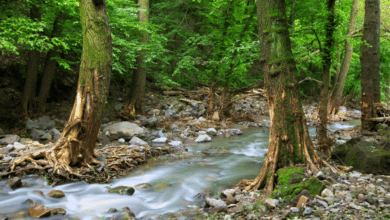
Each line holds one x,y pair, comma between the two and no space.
171,128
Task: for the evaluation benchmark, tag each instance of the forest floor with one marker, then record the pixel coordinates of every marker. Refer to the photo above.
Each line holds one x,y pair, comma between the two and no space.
180,123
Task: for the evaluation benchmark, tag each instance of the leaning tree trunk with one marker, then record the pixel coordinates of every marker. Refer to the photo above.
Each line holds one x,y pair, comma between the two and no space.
77,142
369,62
49,69
135,98
289,142
32,70
324,142
337,94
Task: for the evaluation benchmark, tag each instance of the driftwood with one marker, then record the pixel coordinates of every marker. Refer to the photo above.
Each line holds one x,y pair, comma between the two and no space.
381,119
190,101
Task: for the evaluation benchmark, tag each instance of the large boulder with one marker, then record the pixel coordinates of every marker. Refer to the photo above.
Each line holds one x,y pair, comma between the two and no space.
42,123
364,156
124,130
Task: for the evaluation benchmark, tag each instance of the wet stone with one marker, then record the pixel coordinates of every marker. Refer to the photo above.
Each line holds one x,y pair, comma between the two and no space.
142,186
56,194
14,183
58,211
39,211
112,210
122,190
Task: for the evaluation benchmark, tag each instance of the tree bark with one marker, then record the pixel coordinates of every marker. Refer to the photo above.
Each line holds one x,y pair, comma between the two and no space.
77,142
135,99
32,70
49,69
324,142
337,94
289,142
369,62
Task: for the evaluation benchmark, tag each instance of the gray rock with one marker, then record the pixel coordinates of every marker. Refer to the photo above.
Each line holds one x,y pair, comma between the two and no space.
55,134
169,113
176,144
122,190
202,132
339,186
121,140
124,130
340,142
9,139
203,138
354,206
320,175
30,124
137,141
211,131
327,193
152,121
201,119
345,137
228,192
36,134
323,203
217,203
194,104
308,211
270,203
46,136
13,154
45,122
294,209
102,158
18,146
236,131
160,140
160,134
174,127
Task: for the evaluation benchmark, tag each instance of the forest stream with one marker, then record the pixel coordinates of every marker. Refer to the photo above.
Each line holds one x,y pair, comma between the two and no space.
175,181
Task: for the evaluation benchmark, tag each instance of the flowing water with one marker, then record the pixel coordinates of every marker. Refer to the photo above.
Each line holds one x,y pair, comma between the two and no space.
175,179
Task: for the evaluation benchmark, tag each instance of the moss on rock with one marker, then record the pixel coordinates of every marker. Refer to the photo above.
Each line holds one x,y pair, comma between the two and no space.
288,189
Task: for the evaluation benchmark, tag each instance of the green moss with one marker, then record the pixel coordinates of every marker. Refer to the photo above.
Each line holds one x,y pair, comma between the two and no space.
286,191
284,175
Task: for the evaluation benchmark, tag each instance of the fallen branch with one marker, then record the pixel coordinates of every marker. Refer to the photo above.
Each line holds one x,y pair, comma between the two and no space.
311,79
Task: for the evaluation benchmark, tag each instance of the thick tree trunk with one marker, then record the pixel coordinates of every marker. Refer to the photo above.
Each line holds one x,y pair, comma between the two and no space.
225,108
32,71
337,94
324,142
77,143
289,142
135,99
370,64
49,69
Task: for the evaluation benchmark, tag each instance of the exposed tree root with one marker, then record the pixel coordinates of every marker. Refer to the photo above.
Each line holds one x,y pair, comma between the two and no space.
119,161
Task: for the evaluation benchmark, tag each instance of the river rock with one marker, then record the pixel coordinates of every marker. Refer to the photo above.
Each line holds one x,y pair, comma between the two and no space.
56,194
124,130
122,190
152,121
45,123
235,131
46,136
169,113
308,211
271,203
36,134
58,211
39,211
18,146
160,134
160,140
9,139
176,144
55,134
211,131
14,183
203,138
38,192
327,193
137,141
142,186
217,203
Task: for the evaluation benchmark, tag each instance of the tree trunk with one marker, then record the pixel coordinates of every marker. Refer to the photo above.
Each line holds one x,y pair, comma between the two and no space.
49,69
369,62
32,71
324,142
135,99
337,94
289,142
77,142
226,105
211,103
